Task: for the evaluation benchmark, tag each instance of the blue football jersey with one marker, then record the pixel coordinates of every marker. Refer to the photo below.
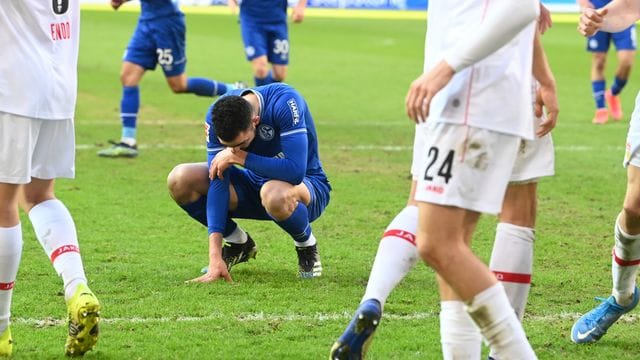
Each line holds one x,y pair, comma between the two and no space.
283,114
264,11
151,9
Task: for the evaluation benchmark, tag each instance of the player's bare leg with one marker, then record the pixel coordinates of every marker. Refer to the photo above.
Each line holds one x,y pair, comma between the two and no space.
441,243
279,72
261,73
623,71
598,63
130,76
56,232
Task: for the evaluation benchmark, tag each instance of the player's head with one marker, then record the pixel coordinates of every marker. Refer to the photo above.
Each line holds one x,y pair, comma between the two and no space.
233,121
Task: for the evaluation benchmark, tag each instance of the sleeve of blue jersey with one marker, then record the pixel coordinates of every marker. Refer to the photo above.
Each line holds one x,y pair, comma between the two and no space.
292,166
218,194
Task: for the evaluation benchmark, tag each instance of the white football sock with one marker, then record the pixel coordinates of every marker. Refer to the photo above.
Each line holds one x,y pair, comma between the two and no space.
56,232
309,242
396,256
512,262
499,325
10,253
459,335
624,265
237,236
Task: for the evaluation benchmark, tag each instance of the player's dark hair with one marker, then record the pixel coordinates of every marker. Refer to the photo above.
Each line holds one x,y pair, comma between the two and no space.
230,116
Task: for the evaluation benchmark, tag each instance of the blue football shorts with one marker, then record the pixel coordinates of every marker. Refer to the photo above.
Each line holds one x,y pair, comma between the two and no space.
159,41
247,186
623,40
265,39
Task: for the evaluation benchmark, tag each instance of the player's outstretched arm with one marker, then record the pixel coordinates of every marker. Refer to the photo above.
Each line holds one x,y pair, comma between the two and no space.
547,96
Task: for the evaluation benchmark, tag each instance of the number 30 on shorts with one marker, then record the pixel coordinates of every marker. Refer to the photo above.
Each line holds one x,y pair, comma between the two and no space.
437,166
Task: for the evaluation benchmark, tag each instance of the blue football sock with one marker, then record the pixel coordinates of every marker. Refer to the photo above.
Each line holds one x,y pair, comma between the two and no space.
205,87
197,210
129,105
297,225
264,81
598,87
618,85
229,227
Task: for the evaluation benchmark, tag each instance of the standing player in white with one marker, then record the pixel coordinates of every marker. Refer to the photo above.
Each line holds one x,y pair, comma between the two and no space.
625,259
512,254
478,55
38,87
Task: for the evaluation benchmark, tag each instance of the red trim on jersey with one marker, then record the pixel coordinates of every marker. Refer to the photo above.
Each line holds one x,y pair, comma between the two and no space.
623,262
402,234
513,277
63,249
6,286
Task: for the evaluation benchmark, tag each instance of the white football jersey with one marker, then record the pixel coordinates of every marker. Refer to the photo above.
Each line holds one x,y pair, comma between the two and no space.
494,93
39,42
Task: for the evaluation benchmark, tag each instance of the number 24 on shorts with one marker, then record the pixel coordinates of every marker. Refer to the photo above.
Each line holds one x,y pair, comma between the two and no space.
444,170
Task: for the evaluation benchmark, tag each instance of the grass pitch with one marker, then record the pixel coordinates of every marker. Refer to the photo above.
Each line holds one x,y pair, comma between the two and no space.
138,247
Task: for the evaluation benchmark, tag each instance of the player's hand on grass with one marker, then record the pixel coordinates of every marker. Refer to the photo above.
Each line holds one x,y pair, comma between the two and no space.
424,88
591,21
546,102
216,270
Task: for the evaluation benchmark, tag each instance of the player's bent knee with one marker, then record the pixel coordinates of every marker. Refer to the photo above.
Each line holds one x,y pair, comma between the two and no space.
632,210
279,205
176,181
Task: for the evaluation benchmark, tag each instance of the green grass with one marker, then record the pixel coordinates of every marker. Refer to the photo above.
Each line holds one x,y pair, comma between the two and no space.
138,247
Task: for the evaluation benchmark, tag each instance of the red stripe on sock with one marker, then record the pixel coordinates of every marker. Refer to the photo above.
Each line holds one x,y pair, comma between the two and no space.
402,234
6,286
513,277
623,262
63,249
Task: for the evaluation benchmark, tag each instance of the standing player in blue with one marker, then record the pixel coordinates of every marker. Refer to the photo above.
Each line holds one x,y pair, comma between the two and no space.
625,255
159,38
598,45
265,34
269,132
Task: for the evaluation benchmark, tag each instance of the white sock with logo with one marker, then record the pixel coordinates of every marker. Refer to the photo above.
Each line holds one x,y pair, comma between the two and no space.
56,232
10,253
396,256
625,260
512,262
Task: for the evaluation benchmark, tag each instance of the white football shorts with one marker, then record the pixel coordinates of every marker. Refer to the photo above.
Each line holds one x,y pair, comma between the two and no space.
535,159
35,148
463,166
631,155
